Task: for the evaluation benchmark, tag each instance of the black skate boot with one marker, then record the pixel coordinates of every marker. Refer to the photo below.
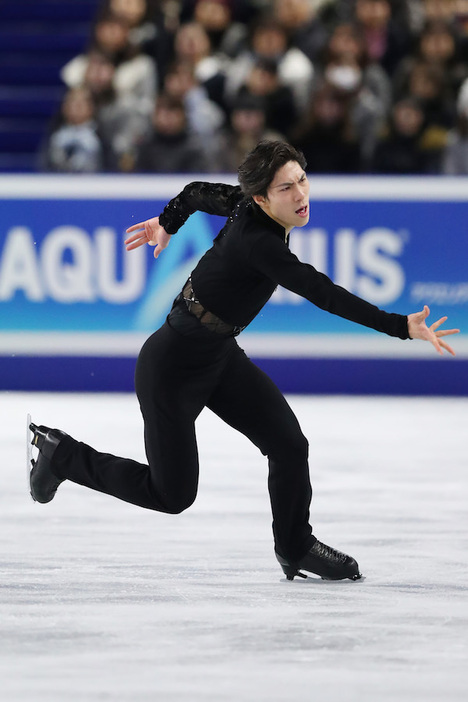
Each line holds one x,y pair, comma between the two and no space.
43,482
322,560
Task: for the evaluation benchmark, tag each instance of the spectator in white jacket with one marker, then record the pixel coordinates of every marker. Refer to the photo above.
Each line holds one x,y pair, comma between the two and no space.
135,72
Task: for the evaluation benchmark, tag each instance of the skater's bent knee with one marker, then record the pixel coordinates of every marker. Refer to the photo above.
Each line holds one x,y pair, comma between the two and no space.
296,449
177,509
177,505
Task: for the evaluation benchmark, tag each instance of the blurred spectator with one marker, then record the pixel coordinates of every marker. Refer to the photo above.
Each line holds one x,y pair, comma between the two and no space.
327,136
363,84
439,10
439,43
192,43
73,145
405,14
411,13
135,74
306,31
171,148
323,72
247,126
277,100
243,11
204,117
454,13
122,121
269,40
408,147
455,156
138,15
347,41
387,42
146,22
461,21
217,17
192,46
331,12
429,83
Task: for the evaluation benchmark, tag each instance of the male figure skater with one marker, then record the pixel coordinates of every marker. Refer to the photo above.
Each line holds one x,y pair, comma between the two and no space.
193,361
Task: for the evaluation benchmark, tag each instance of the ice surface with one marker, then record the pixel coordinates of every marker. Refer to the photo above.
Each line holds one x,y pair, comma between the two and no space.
101,600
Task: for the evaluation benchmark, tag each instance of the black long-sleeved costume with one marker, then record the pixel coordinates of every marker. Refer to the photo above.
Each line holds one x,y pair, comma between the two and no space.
184,367
250,257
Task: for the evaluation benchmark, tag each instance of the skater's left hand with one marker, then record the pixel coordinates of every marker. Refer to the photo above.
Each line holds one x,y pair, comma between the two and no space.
418,329
148,232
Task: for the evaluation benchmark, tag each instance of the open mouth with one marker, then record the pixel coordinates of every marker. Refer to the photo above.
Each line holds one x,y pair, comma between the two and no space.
302,211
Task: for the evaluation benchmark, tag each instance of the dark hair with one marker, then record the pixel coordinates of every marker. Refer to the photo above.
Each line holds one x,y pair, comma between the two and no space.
260,166
169,102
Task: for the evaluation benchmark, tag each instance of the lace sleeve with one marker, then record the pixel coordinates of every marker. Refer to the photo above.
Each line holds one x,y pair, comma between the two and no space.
213,198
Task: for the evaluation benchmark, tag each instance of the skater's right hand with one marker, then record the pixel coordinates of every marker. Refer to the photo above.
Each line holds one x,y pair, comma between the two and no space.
148,232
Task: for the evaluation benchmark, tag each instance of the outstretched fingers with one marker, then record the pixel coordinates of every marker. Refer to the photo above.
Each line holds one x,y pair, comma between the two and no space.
443,344
140,237
436,343
447,348
436,325
447,332
133,242
134,227
442,332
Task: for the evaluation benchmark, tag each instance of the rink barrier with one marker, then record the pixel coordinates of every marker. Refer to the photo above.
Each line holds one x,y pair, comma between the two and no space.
318,376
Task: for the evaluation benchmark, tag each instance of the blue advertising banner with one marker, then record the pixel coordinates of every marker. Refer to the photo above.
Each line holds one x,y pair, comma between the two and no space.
68,288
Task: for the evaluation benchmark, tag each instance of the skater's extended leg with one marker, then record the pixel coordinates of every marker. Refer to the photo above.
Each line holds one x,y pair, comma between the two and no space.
173,379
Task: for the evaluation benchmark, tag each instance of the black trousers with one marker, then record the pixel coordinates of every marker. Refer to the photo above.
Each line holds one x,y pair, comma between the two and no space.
181,369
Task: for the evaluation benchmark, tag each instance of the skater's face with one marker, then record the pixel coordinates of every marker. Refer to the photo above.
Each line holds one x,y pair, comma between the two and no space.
287,199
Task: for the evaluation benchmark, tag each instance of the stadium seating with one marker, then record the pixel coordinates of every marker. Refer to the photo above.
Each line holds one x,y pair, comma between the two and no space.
36,38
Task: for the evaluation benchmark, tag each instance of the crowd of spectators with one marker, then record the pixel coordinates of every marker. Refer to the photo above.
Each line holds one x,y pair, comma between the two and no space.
360,86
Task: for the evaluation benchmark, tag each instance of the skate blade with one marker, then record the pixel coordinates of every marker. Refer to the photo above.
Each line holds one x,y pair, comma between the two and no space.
29,456
314,577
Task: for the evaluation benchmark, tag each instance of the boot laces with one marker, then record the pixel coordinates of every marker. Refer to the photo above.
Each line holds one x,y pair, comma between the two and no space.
328,552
